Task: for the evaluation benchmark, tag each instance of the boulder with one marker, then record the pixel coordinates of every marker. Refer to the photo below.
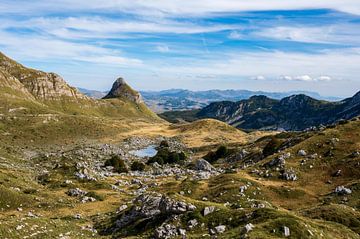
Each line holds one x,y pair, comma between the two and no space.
208,210
166,231
203,165
220,229
248,227
341,190
192,223
76,192
150,205
302,153
286,231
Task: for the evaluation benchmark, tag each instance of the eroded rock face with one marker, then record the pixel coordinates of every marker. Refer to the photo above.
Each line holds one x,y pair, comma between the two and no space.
122,90
50,86
42,85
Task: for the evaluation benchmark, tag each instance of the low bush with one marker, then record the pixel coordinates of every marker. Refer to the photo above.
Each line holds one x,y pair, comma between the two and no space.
221,152
117,163
137,166
165,156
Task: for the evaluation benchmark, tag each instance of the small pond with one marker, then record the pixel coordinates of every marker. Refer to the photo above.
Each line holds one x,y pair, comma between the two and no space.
149,151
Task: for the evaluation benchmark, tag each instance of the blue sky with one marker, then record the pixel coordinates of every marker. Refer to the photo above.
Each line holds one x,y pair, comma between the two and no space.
271,45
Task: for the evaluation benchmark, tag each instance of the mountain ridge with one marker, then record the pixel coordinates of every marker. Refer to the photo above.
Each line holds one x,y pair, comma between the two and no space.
296,112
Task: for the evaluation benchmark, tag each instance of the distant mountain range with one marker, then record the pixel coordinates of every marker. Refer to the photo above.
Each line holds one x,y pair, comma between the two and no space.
180,99
296,112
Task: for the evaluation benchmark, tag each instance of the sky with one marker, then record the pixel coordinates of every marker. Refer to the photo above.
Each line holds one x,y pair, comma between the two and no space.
269,45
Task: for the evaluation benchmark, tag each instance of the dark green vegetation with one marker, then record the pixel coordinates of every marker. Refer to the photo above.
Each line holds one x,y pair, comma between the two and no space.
296,112
221,152
165,156
137,166
118,164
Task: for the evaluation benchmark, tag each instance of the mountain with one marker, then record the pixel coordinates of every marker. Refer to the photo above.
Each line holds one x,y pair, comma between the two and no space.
296,112
179,99
121,89
40,92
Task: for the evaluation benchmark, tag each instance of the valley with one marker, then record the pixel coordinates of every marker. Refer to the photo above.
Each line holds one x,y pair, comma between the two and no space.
68,169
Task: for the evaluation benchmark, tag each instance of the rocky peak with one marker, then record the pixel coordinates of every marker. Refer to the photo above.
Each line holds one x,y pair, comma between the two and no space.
42,85
121,89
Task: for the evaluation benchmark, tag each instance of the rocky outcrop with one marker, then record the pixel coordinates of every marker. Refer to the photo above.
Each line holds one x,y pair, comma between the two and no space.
150,205
121,89
42,85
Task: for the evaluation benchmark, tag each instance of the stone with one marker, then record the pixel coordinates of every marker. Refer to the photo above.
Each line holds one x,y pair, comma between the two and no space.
302,153
286,231
76,192
149,205
166,231
337,173
208,210
220,229
289,175
122,208
341,190
182,232
243,188
192,223
86,199
248,227
203,165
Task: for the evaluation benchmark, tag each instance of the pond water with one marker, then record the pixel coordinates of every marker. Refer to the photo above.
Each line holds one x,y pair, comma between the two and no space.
149,151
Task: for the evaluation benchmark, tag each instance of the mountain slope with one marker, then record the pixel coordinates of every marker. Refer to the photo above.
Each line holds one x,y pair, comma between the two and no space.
295,112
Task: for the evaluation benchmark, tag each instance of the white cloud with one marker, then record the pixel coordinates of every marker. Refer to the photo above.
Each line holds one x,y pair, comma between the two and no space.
162,48
338,33
323,78
258,78
53,49
180,8
235,35
287,78
303,78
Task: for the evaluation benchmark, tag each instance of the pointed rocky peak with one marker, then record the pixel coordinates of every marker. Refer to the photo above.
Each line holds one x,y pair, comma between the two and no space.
121,89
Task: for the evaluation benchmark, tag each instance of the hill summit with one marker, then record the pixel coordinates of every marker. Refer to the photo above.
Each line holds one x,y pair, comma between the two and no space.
121,89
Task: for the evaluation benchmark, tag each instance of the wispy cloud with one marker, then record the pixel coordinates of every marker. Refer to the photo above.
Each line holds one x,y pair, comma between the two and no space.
165,7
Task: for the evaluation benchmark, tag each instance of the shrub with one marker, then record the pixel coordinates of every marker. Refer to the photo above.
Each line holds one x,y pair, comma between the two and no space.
164,144
137,166
210,157
165,156
221,151
118,164
271,147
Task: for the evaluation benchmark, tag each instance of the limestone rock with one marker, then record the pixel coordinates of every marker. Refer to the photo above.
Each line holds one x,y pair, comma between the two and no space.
203,165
